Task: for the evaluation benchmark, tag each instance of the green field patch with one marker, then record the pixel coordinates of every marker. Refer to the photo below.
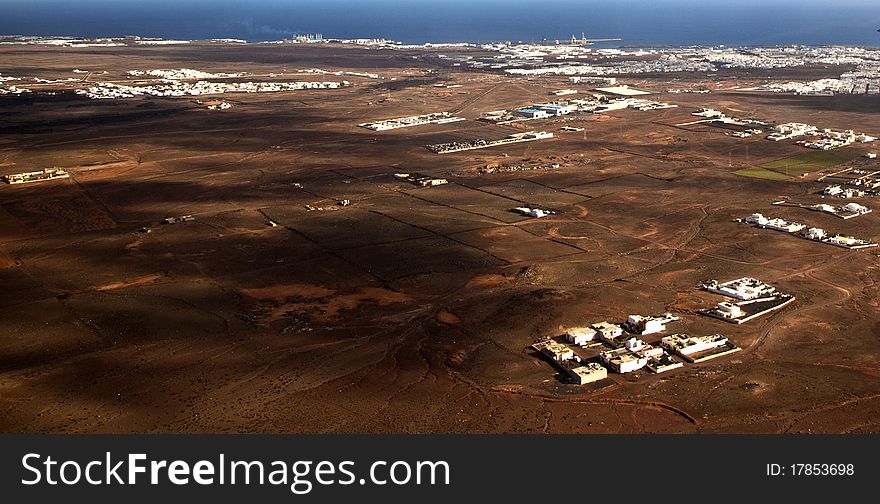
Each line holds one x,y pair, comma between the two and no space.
761,173
810,162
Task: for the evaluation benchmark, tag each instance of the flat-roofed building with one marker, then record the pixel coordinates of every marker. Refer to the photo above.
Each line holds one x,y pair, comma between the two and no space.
638,324
580,335
683,344
533,113
555,350
742,288
608,331
622,360
588,373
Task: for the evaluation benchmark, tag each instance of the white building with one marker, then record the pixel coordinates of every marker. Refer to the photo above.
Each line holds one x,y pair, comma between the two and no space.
856,208
608,331
742,288
783,225
683,344
555,350
638,324
833,190
757,219
588,373
622,360
533,212
729,310
580,335
816,234
533,113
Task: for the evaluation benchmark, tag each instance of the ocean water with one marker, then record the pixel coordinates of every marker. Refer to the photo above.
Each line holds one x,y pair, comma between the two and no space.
637,22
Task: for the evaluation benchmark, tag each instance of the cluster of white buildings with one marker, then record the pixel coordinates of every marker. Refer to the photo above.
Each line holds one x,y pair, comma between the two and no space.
864,79
813,233
754,299
597,104
565,358
409,121
790,130
64,41
628,350
829,139
775,223
365,75
839,191
824,139
181,74
847,211
35,176
533,59
745,288
109,90
690,347
828,87
13,90
538,111
856,179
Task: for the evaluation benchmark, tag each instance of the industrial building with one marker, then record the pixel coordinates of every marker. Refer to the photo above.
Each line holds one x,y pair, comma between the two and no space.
532,113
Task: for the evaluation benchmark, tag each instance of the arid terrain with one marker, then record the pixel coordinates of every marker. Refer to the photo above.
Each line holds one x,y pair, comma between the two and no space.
410,309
